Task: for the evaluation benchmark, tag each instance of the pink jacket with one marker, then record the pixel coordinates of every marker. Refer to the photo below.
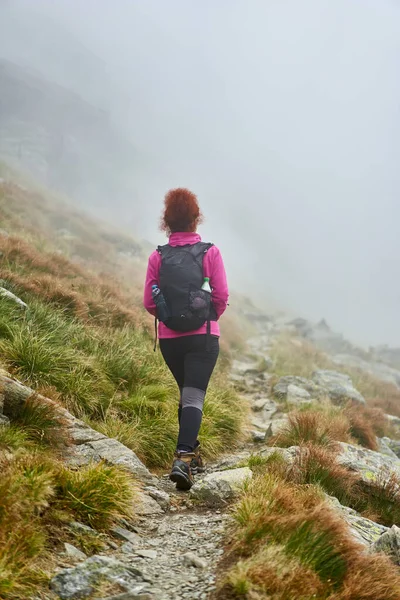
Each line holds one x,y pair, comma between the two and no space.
213,268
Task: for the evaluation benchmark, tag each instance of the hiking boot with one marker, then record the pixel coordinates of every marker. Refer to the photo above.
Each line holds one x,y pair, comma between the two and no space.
197,464
181,472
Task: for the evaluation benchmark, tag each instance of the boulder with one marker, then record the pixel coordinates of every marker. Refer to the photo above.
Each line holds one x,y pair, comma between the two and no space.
81,581
371,466
364,531
337,386
161,497
111,451
389,543
221,486
306,385
88,445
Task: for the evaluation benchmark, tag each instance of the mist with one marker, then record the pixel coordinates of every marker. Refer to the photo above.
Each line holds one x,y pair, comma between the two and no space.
282,115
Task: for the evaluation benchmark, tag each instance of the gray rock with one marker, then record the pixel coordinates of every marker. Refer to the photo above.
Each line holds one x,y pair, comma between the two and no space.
13,298
219,487
385,448
274,427
82,435
281,388
127,548
146,506
82,527
260,423
297,395
127,536
161,497
389,543
80,581
231,461
394,420
337,386
371,466
258,405
112,452
394,445
191,559
257,436
73,552
364,531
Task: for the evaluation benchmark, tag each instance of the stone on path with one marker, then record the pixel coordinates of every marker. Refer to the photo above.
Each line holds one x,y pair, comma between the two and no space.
161,497
219,487
127,536
81,581
191,559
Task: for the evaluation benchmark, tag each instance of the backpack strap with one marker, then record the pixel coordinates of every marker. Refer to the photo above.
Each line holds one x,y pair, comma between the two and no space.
155,334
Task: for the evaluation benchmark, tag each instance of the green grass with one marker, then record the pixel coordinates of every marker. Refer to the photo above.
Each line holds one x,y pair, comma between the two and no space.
112,378
34,487
98,494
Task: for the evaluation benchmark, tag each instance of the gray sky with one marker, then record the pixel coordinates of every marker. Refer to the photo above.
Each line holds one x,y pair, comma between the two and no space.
283,115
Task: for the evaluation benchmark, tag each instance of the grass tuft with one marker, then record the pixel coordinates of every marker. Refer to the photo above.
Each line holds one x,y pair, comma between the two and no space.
99,494
313,426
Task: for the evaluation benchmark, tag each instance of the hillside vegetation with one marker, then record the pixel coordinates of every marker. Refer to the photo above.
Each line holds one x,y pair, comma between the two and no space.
85,342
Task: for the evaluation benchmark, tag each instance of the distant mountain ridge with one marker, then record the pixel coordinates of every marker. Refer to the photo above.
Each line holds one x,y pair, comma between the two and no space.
65,141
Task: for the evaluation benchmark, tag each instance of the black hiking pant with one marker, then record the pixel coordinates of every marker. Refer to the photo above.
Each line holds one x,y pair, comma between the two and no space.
191,362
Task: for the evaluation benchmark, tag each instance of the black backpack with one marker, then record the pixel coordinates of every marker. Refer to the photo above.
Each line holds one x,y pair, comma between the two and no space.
181,278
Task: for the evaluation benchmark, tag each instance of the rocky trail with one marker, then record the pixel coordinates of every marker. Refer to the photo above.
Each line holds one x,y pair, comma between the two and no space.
172,548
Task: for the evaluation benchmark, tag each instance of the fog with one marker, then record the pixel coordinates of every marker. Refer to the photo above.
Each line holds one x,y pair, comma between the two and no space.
282,115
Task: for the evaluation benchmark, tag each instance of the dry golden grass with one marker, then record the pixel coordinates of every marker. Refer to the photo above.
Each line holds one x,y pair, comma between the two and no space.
324,428
55,279
288,544
362,427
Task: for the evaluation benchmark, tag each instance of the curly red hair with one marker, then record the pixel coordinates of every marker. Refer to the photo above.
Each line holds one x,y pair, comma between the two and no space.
181,212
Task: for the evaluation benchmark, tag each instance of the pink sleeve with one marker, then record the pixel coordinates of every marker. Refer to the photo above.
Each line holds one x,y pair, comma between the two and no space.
213,267
152,277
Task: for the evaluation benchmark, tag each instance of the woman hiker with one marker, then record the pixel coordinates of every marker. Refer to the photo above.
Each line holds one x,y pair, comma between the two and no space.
186,290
